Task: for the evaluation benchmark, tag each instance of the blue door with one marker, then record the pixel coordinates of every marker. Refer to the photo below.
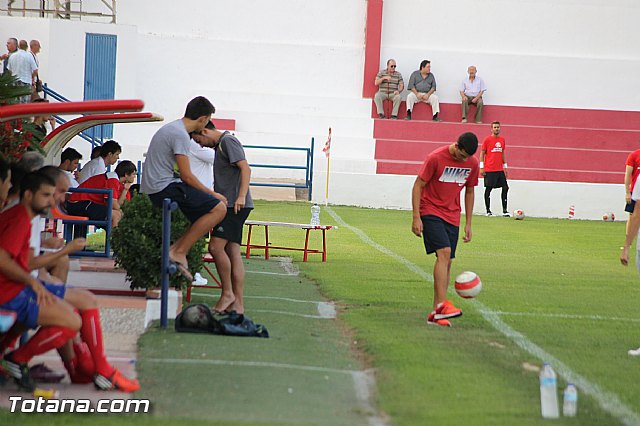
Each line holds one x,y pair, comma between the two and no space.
100,74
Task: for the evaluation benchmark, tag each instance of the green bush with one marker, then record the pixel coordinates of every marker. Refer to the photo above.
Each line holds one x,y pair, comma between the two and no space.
137,244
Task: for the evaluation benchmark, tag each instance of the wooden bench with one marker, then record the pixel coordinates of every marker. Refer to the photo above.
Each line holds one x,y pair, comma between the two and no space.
267,245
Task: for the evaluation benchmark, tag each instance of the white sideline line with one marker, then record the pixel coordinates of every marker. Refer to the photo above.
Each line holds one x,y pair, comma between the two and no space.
249,364
326,310
286,274
608,401
564,316
363,380
293,314
286,299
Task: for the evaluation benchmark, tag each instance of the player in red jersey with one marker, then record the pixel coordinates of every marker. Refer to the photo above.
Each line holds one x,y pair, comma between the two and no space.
435,199
493,167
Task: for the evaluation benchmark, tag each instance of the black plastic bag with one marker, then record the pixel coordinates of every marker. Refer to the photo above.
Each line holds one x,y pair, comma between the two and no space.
198,318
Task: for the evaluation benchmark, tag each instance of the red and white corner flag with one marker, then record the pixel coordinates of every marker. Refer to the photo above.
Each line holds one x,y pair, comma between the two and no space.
327,145
327,153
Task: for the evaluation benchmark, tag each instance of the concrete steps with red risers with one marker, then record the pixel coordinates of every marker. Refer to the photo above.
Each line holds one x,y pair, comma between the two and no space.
534,152
527,116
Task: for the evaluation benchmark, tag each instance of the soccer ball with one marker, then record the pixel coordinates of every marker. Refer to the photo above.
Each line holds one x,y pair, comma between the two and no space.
468,285
609,217
518,214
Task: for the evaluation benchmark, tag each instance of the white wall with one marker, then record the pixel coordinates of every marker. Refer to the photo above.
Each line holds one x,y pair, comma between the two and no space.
288,70
537,199
552,53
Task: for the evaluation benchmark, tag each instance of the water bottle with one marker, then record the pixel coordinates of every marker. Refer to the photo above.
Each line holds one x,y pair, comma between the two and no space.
315,215
548,392
570,405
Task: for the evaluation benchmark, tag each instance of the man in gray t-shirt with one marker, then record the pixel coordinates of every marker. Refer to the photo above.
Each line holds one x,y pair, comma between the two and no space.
167,174
422,87
231,178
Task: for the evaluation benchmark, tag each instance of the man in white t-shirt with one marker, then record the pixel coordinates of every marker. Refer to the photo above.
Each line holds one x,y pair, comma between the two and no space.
201,161
109,155
69,160
23,66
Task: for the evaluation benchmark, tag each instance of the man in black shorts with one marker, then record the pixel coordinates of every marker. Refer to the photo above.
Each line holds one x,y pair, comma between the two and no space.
493,166
231,178
202,206
436,213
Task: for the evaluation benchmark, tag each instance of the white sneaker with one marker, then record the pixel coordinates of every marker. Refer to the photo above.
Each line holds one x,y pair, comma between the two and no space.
199,280
634,352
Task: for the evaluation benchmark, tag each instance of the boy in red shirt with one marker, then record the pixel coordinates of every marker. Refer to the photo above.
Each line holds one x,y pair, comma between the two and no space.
436,213
493,167
94,206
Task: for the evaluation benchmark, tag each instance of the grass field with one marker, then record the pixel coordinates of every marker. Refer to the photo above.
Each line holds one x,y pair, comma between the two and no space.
553,290
557,282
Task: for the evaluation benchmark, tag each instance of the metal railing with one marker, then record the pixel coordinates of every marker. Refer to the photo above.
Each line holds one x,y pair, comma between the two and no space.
308,167
106,224
63,9
87,136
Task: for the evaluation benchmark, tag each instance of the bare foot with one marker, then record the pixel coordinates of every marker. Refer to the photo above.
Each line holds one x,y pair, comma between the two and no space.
238,307
178,258
224,303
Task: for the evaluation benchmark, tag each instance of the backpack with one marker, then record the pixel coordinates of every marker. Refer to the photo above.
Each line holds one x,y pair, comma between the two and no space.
198,318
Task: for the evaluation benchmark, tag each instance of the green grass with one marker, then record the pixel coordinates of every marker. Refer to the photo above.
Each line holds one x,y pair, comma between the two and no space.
534,271
472,373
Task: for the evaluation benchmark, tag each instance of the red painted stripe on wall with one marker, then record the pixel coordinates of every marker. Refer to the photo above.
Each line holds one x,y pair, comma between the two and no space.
224,123
373,42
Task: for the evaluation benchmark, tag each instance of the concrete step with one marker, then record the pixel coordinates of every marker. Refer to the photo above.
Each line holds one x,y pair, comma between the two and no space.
528,116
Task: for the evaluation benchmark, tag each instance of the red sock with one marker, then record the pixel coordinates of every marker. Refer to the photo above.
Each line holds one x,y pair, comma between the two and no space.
44,340
8,339
83,358
91,333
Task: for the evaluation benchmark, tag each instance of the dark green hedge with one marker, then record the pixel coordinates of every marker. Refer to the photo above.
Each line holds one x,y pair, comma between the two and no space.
137,244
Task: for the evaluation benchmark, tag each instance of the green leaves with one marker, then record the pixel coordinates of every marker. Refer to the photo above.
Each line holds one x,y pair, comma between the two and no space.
137,244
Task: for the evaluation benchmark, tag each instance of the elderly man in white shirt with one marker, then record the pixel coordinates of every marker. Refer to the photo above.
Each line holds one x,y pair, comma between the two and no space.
471,90
23,66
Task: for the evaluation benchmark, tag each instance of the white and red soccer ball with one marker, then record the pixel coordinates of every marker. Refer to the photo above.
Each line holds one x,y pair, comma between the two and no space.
468,285
609,217
518,214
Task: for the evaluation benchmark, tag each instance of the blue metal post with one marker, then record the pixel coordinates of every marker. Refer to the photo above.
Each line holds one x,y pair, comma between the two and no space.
166,269
107,240
139,174
310,182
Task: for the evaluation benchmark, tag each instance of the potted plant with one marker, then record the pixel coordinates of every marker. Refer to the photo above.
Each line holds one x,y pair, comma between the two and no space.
137,244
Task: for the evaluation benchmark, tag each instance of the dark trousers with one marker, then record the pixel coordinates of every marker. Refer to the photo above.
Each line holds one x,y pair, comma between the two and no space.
487,198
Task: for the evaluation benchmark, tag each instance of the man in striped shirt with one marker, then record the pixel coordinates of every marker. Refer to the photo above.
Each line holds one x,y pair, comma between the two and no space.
390,85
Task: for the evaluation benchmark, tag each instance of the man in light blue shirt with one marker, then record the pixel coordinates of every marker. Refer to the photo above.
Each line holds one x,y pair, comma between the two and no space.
471,90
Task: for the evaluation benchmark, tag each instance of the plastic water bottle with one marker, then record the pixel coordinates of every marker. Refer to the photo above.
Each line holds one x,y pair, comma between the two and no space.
570,405
548,392
315,215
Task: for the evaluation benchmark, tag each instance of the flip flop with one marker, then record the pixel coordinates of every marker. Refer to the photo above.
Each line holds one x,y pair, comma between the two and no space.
182,270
